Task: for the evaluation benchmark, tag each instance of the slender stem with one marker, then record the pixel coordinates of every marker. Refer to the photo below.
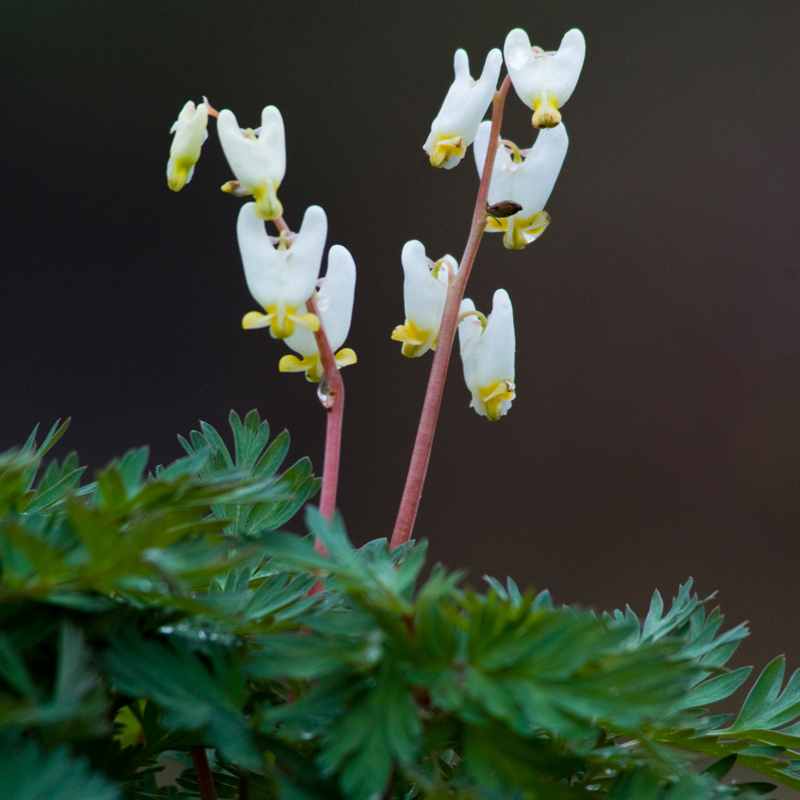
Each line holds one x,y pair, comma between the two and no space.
331,394
418,468
205,783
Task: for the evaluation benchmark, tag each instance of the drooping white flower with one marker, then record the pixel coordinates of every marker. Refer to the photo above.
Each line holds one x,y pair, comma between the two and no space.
257,158
190,131
335,304
455,126
487,355
281,278
424,295
525,180
544,81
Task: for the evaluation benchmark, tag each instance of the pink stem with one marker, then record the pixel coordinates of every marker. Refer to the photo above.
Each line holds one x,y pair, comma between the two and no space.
331,396
418,468
332,399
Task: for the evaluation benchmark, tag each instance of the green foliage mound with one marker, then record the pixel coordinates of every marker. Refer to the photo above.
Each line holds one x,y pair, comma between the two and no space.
149,619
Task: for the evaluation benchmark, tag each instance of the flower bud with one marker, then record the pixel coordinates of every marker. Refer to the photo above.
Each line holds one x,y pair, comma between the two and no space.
190,131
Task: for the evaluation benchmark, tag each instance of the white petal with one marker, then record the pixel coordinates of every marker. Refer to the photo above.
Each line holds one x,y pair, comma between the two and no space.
262,263
469,334
466,102
556,74
536,177
304,258
254,162
338,289
566,66
494,357
273,142
424,296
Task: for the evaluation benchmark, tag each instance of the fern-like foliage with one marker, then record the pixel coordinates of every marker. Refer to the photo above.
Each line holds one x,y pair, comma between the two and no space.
146,617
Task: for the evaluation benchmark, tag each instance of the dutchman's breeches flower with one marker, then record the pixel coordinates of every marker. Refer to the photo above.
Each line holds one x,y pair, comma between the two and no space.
544,81
190,131
281,279
487,354
257,158
335,304
455,126
527,181
424,293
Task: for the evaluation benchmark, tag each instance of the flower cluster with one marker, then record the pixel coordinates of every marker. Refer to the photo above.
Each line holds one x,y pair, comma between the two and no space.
520,183
282,272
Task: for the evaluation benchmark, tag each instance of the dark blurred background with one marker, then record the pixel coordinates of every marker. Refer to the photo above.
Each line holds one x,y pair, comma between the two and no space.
656,431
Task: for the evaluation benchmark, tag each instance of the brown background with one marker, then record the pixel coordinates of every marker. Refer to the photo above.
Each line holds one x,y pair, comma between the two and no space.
656,433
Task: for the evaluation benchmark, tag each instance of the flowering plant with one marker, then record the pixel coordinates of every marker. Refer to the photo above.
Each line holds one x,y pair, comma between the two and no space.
164,618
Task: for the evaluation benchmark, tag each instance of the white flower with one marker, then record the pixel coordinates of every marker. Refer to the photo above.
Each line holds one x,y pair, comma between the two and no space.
281,279
335,304
487,354
424,294
257,158
190,133
544,81
527,181
455,126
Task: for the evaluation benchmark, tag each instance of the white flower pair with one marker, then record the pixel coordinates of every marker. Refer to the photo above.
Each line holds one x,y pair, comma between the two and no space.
257,157
282,278
487,348
543,80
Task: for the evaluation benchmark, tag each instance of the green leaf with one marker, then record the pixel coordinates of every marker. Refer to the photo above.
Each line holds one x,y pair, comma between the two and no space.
764,692
28,774
715,689
719,769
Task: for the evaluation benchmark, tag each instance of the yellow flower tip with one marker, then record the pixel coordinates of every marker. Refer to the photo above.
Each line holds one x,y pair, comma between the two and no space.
268,207
179,174
310,321
546,115
255,319
495,225
445,148
494,397
413,339
295,364
345,357
231,187
524,231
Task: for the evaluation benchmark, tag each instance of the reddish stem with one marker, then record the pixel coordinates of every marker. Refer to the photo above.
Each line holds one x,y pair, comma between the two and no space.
418,468
205,783
331,395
